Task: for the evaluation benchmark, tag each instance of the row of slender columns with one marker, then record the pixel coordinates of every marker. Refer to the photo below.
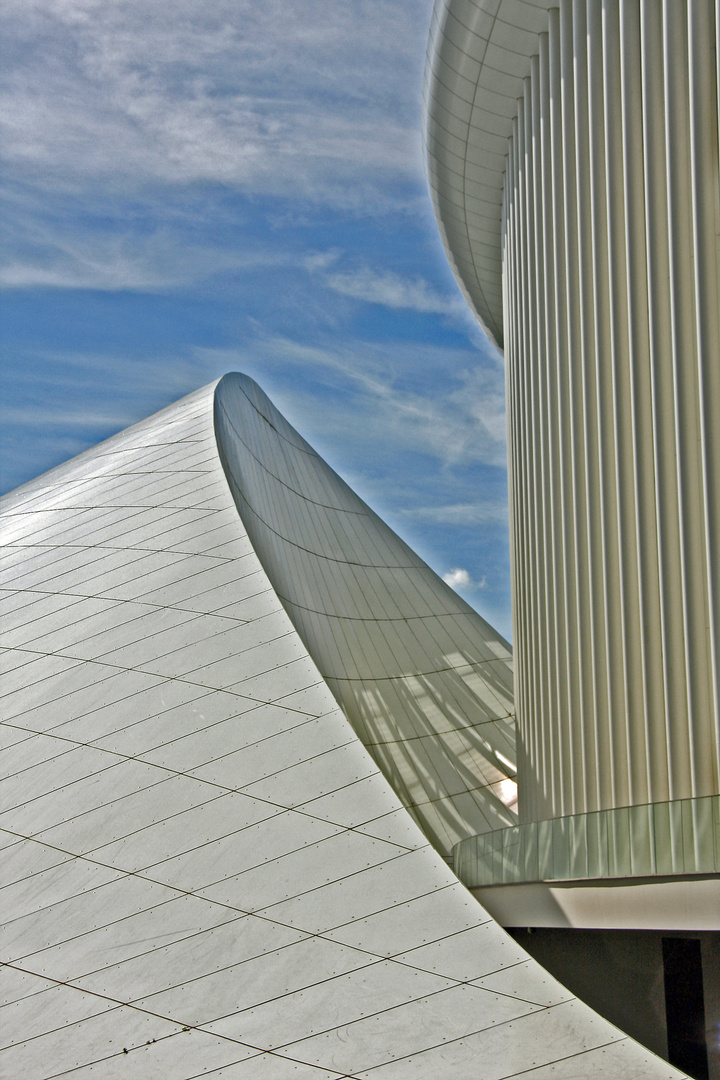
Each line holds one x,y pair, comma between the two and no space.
611,234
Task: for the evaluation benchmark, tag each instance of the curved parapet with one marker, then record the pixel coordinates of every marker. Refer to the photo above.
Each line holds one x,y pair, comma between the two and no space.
424,680
204,873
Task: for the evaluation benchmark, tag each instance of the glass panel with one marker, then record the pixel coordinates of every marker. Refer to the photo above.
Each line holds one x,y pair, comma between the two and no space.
642,862
716,832
496,855
675,845
484,866
560,848
596,845
618,842
578,846
529,867
661,838
511,851
544,846
697,822
640,841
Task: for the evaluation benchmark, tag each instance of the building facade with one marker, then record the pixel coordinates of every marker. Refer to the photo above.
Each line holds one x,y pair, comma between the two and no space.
602,225
573,157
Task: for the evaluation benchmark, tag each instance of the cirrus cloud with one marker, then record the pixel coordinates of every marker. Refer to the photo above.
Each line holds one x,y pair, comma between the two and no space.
394,291
272,97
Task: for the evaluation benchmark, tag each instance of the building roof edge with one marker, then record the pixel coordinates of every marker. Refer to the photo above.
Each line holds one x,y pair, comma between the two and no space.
478,54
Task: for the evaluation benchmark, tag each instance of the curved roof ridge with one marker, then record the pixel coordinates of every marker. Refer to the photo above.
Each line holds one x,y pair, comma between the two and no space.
425,681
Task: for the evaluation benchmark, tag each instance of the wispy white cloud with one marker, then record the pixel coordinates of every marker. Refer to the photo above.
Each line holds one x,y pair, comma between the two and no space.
65,418
272,98
67,387
51,254
321,260
479,401
458,514
394,291
457,415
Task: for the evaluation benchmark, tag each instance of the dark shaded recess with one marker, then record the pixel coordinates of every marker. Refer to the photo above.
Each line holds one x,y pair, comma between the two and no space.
619,973
649,983
685,1006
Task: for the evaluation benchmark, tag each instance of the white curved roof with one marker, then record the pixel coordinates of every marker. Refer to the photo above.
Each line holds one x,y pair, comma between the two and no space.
479,52
424,680
203,871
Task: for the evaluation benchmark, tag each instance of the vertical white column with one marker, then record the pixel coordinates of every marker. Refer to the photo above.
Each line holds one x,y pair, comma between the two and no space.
671,630
596,735
580,653
705,188
544,509
648,759
684,763
611,761
625,659
524,544
567,706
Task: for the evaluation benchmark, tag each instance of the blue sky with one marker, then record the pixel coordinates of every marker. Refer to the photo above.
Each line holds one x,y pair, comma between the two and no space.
192,188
